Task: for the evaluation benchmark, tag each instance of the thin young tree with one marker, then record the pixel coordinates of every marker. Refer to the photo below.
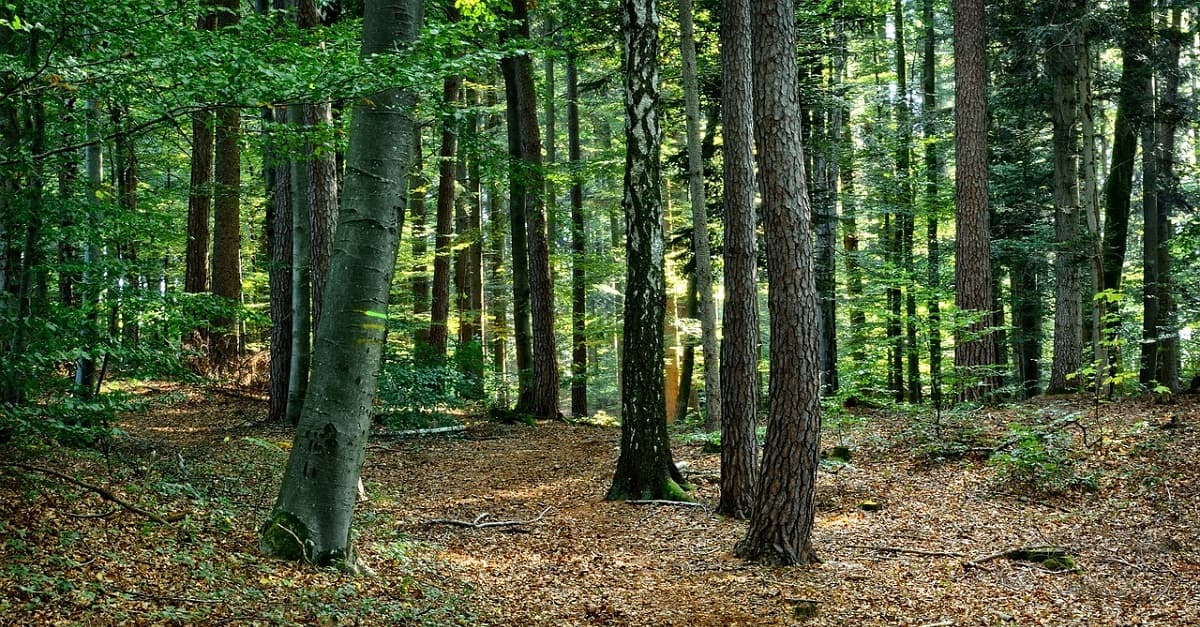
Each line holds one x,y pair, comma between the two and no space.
645,469
579,347
312,516
781,526
739,347
703,271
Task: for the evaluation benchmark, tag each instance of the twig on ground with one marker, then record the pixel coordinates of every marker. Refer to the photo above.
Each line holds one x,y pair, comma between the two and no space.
899,549
670,503
104,493
159,597
479,524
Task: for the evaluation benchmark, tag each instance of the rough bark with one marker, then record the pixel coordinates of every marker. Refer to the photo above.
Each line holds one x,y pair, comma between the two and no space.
645,469
975,346
739,347
1170,115
279,243
420,242
312,516
781,526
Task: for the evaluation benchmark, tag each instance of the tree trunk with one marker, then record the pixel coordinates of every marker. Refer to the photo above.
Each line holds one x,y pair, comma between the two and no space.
645,469
934,171
579,348
519,184
447,154
539,391
781,525
1062,63
279,241
420,241
708,309
312,516
906,216
302,283
227,238
975,346
739,348
1170,115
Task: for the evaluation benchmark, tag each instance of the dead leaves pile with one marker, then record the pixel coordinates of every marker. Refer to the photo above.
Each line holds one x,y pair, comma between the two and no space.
67,558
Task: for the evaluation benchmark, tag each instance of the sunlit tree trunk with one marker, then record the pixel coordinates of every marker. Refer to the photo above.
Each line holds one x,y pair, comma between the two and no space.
934,172
227,236
444,240
312,516
1170,115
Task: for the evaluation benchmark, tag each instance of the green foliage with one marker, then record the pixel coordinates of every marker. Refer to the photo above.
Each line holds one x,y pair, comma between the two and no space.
418,396
1039,459
67,419
945,435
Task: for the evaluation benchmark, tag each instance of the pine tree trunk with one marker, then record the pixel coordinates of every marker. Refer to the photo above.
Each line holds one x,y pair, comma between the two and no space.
975,351
739,347
645,469
312,517
278,173
781,526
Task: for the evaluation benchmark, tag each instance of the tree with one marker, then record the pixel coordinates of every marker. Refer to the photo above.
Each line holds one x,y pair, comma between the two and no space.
781,525
739,348
579,352
227,200
975,346
311,518
934,172
645,469
708,309
1062,64
447,155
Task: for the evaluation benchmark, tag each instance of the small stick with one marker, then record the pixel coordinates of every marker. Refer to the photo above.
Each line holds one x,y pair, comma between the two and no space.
666,502
105,494
477,524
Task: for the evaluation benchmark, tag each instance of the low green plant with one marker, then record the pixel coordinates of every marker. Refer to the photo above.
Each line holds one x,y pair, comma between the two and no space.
1037,459
417,396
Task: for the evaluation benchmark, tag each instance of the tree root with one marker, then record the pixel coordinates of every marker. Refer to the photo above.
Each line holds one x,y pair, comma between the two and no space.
104,493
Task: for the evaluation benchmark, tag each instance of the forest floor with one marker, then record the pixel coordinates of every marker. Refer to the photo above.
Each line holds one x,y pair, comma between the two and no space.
1125,508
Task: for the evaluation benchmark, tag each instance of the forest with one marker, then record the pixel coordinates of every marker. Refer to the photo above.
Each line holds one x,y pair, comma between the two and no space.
458,312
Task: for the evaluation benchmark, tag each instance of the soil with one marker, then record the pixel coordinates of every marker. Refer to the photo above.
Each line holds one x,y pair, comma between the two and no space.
506,525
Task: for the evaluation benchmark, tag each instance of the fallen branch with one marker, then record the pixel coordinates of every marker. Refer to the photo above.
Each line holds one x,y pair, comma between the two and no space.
105,494
479,524
428,431
899,549
1054,558
668,503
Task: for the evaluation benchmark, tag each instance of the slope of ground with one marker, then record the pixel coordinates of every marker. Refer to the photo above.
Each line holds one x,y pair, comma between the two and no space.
569,557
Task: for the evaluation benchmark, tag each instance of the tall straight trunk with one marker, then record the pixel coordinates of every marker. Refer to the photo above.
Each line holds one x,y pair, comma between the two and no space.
975,349
579,348
849,222
1152,232
826,131
227,238
420,238
469,264
1118,188
302,284
312,516
687,361
934,172
498,281
1062,63
645,469
444,241
278,173
518,189
906,214
539,391
1026,298
1090,207
739,347
199,204
322,201
1170,115
550,115
125,175
781,526
85,366
704,288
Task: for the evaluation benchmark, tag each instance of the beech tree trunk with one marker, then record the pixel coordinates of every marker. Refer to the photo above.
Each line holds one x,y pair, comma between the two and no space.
312,516
447,154
645,469
739,347
1062,63
781,526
